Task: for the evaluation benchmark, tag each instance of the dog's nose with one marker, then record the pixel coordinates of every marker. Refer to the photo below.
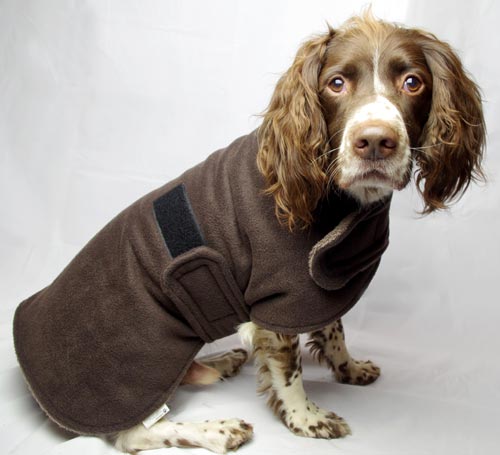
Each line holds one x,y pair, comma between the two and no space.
375,142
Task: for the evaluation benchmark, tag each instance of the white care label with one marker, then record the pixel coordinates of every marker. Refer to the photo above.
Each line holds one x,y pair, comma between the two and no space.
157,415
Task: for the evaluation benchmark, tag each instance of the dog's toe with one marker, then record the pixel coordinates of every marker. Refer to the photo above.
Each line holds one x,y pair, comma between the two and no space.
315,422
228,434
357,372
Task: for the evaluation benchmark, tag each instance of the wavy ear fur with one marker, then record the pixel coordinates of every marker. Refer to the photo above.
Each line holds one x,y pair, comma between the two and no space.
453,139
293,137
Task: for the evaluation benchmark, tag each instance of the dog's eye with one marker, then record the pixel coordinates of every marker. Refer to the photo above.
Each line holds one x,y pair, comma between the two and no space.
412,84
337,84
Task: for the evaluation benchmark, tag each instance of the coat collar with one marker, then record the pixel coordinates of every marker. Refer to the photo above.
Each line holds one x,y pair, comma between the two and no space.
356,243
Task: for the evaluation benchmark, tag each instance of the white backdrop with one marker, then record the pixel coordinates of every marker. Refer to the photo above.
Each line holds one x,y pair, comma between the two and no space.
104,100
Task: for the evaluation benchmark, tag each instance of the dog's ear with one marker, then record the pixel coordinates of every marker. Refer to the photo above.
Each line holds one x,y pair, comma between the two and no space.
454,135
293,137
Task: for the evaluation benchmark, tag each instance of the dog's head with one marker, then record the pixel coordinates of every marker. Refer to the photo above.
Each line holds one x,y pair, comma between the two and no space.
358,107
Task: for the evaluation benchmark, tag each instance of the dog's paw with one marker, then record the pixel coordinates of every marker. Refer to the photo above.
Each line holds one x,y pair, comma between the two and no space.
235,360
314,422
228,364
357,372
229,434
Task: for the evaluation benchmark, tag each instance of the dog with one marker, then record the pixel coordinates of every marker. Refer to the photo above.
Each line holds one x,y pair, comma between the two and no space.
359,108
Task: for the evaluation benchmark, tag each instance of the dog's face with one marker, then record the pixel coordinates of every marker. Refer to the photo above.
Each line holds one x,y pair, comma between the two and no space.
376,97
359,106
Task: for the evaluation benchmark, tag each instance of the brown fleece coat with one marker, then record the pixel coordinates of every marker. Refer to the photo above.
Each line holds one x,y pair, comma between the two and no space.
109,341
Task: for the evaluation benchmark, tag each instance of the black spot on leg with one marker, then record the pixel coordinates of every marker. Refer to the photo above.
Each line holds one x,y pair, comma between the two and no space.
183,442
283,415
292,366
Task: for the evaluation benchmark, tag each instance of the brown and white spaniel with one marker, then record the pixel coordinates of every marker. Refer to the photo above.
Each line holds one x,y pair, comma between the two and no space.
363,108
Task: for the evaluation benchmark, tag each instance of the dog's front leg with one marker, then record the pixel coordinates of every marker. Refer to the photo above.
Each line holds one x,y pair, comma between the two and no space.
216,435
280,375
328,346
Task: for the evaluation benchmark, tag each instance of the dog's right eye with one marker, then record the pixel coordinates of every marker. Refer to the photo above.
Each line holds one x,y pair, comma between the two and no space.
337,84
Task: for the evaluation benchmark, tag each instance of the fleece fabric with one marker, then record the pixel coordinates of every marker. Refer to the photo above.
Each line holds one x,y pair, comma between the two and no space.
108,342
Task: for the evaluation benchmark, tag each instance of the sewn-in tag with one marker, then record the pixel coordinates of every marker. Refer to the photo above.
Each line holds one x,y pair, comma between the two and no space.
157,415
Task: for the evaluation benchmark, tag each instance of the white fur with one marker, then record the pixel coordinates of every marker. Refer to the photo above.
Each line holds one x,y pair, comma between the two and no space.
378,85
246,332
352,167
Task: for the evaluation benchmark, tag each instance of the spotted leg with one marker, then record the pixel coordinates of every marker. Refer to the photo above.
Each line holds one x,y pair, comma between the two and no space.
328,346
280,376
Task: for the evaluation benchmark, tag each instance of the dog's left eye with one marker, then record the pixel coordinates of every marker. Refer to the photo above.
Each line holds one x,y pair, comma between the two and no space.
412,84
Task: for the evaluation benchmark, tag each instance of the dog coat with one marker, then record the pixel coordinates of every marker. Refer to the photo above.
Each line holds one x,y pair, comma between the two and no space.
111,338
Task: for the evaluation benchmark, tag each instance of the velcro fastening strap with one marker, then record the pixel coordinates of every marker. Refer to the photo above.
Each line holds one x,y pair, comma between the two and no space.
177,222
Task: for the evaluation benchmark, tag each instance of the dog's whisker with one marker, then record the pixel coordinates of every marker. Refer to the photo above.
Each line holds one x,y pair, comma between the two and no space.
327,153
333,165
424,147
341,131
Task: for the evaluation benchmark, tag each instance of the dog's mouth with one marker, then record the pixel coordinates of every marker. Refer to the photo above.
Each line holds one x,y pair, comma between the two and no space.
371,177
389,174
375,174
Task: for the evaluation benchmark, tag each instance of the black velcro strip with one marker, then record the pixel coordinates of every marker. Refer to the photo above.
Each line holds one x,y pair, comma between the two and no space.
177,222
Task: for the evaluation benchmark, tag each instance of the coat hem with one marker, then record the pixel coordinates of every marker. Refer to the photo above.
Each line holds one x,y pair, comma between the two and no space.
85,429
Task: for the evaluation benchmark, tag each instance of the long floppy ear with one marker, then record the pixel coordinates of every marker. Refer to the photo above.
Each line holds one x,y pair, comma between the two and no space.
293,137
453,139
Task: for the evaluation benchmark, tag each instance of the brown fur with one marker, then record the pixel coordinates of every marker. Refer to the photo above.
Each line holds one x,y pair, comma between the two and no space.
293,137
453,140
